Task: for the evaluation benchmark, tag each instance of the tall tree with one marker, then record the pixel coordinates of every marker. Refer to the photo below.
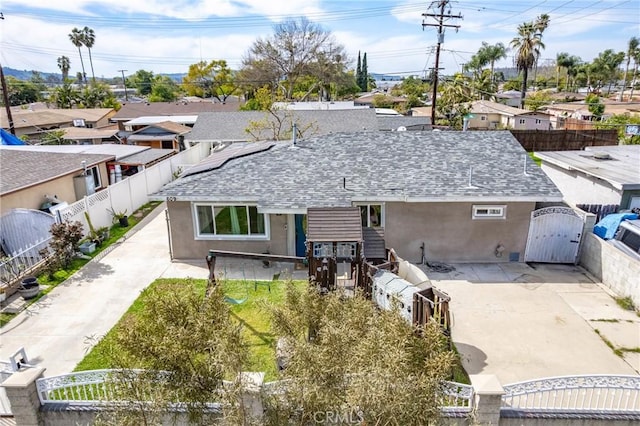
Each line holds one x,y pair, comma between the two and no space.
561,62
285,57
359,70
142,80
632,51
210,80
365,74
636,62
64,64
605,69
491,54
76,36
89,39
527,46
541,23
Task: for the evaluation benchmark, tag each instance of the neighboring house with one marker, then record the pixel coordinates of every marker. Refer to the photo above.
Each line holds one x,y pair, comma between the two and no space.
128,159
140,122
164,135
30,175
487,115
402,123
368,99
456,196
562,113
34,123
92,136
221,127
134,110
599,175
317,105
510,98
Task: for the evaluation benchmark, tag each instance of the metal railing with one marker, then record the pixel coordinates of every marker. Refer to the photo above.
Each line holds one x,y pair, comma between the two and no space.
579,395
457,398
19,264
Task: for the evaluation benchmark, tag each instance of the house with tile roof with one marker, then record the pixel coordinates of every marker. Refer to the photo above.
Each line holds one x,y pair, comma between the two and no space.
487,115
447,196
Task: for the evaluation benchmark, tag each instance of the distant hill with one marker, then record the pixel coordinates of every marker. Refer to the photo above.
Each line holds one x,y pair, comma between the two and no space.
27,74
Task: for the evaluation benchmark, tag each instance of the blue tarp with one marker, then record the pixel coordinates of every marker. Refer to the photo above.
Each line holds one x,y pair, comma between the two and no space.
9,139
607,227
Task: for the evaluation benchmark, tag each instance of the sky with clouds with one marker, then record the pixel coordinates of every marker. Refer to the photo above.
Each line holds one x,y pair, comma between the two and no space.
166,36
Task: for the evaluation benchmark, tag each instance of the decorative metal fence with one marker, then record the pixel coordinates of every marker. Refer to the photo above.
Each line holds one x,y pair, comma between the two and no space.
585,396
457,398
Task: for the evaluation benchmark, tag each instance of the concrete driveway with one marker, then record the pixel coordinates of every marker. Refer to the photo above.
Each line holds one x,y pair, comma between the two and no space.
524,322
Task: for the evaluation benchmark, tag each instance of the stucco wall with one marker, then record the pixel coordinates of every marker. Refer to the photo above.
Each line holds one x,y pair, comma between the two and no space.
615,269
451,235
33,197
185,247
577,188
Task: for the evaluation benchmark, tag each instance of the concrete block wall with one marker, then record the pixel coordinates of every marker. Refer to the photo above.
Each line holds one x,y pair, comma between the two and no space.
615,269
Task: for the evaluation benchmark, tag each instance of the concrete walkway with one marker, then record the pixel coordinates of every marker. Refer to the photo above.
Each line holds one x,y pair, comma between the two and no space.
54,331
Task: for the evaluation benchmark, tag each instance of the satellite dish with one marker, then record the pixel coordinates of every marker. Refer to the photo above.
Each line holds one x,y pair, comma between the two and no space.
401,129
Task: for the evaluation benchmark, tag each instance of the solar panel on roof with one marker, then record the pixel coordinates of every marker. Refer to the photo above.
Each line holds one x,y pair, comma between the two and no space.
219,158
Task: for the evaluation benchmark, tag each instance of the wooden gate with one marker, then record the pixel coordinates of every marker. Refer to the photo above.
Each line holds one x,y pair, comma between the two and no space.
554,235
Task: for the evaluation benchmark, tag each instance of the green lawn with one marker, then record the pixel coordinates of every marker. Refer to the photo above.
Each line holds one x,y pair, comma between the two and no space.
250,313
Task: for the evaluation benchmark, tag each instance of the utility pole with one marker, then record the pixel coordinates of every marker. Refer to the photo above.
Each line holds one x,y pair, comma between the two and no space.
124,81
5,95
441,27
5,98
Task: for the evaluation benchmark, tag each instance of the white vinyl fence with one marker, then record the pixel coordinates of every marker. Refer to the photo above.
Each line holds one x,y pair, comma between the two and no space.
133,192
127,195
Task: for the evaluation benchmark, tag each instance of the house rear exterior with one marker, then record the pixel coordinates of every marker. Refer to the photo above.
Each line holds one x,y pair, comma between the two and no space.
456,196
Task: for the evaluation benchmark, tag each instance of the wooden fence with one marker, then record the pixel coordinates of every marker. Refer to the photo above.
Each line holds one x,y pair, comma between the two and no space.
564,140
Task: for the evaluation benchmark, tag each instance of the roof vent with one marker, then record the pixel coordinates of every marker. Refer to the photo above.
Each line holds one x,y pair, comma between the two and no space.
601,156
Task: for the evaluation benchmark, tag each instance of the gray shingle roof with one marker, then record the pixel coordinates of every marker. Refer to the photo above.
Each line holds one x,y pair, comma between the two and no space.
230,126
335,170
21,168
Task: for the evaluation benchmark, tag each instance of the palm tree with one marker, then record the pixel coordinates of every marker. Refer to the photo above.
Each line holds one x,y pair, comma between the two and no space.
541,24
527,46
561,59
64,64
492,54
636,62
89,39
76,37
632,49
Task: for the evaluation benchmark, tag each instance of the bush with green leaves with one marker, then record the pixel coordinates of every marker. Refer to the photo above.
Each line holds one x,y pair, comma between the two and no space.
66,237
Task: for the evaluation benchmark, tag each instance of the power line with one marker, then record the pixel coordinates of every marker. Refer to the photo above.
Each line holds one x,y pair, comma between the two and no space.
441,27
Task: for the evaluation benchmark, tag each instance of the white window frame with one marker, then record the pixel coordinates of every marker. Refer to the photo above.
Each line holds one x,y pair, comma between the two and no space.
538,121
489,211
199,236
483,118
382,214
522,121
95,172
321,250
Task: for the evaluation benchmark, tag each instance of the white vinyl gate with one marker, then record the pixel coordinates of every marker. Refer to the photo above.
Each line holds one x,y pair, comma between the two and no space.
554,235
5,373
